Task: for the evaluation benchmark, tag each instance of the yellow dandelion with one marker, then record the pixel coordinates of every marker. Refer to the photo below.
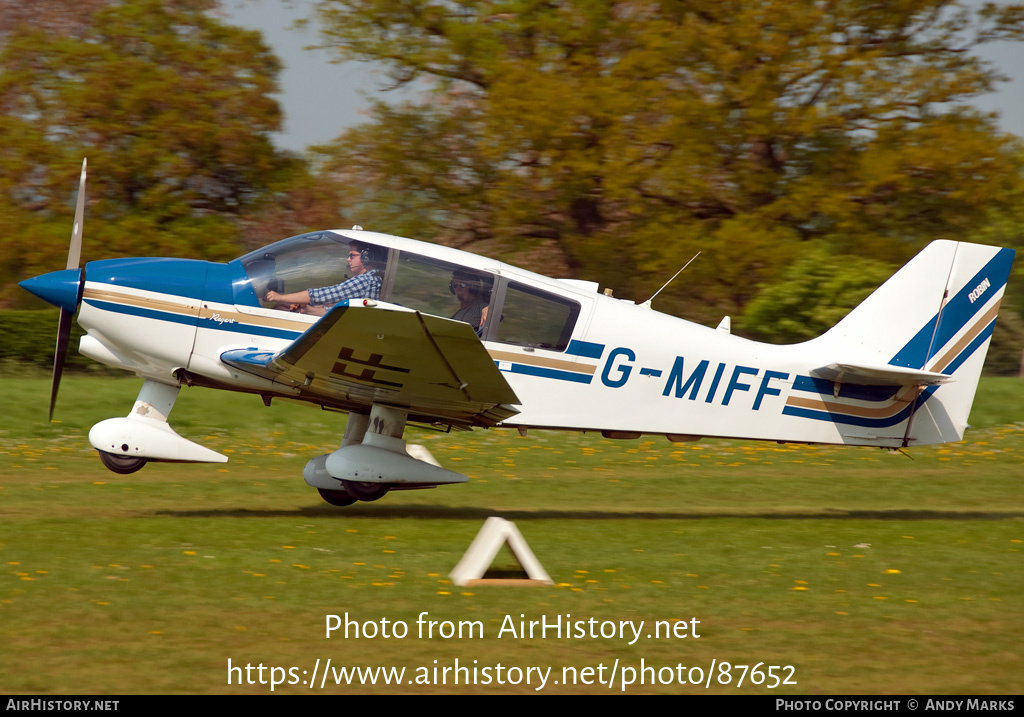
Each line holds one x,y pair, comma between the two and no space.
893,571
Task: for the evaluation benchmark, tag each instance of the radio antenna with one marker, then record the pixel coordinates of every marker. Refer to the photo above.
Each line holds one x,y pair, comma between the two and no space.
647,303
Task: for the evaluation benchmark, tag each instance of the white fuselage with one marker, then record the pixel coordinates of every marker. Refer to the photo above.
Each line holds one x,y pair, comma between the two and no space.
626,369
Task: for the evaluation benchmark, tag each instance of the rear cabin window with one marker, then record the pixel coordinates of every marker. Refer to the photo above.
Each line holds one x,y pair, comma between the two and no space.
537,319
442,289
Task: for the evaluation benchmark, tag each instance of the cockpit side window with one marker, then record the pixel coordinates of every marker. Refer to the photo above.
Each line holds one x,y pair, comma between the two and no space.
442,289
535,318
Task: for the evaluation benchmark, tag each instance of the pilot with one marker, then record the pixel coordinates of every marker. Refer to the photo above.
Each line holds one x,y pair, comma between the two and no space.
364,265
474,295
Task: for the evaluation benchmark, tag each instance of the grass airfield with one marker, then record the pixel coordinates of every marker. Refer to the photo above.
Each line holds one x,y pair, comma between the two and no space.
867,572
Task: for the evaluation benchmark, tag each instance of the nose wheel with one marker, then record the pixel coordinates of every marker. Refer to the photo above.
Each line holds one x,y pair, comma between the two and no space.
121,464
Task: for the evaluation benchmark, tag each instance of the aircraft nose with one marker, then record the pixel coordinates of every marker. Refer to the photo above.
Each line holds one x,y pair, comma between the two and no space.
60,288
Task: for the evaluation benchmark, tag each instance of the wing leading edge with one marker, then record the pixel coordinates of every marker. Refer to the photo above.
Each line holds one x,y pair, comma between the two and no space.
357,356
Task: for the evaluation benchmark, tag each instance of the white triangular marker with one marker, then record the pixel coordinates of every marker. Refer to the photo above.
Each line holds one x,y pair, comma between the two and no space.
495,533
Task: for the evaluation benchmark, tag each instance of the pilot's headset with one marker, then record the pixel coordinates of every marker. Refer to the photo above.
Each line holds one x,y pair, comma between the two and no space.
474,282
370,256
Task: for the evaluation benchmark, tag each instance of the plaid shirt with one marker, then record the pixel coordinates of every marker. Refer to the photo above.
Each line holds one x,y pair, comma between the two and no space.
363,286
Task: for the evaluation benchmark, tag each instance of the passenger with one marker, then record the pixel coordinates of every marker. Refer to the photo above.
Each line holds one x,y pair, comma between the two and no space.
364,263
474,295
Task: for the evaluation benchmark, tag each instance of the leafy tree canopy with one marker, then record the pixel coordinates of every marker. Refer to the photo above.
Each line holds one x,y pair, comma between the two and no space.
174,111
627,134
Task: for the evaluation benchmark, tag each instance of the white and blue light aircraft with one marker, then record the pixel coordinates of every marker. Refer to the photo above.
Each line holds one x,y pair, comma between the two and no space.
900,370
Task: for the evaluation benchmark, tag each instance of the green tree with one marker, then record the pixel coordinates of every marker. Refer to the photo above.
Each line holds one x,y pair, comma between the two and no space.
627,134
174,111
811,295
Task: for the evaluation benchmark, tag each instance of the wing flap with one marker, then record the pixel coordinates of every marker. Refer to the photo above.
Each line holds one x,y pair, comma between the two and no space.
362,355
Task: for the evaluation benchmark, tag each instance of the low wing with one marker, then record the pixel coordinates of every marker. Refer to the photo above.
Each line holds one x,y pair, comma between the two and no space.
879,375
356,356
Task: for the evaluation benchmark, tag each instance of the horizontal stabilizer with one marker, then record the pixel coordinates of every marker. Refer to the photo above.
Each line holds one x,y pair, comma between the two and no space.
879,375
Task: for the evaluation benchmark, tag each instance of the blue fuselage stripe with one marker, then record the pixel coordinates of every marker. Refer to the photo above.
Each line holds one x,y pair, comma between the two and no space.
170,317
249,329
585,349
528,370
192,320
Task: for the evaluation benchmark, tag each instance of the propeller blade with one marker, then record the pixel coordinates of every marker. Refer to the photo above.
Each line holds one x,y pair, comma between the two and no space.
75,250
66,316
63,337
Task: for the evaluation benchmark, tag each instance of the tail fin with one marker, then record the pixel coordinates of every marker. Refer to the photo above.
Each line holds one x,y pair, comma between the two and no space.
933,319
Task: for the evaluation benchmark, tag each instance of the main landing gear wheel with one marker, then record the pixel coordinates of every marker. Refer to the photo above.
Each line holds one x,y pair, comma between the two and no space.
366,492
336,497
121,464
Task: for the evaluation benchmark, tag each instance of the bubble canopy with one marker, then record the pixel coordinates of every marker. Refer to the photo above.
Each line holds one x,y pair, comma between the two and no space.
527,316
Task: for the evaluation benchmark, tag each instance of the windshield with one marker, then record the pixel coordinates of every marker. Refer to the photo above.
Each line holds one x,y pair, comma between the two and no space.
309,262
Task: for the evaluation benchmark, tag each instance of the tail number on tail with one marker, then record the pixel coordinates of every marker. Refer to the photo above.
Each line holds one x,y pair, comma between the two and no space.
979,290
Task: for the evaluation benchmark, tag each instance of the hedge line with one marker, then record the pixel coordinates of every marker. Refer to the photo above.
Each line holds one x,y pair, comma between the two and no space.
29,337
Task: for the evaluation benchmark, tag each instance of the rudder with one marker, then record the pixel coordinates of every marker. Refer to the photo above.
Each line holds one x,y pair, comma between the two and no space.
936,314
